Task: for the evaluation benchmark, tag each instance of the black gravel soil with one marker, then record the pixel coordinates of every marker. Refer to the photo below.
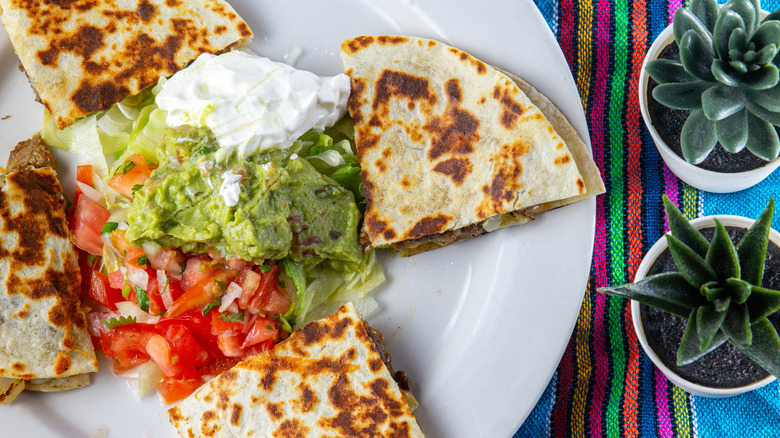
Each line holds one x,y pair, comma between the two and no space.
725,367
668,123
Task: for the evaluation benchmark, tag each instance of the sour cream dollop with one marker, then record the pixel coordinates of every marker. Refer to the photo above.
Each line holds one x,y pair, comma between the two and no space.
251,103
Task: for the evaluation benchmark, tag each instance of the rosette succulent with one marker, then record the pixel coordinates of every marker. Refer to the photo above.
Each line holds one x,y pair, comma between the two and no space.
727,76
717,288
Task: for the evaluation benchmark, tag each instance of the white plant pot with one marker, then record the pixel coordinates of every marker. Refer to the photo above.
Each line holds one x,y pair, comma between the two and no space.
644,266
707,180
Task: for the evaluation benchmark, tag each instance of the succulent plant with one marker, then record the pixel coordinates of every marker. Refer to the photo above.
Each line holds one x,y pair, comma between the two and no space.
717,288
727,77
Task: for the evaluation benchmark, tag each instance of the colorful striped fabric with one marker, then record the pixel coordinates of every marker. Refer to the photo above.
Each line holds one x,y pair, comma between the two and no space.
605,385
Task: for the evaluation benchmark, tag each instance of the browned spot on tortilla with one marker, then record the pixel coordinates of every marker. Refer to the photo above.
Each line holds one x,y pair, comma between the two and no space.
454,132
563,159
243,29
235,414
315,333
508,168
580,186
358,43
18,367
428,225
62,364
175,414
375,365
146,10
392,40
380,166
389,234
83,42
23,312
401,85
308,398
291,428
353,102
511,110
455,168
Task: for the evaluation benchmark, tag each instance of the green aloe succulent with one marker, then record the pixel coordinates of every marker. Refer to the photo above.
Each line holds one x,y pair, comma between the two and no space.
727,77
717,288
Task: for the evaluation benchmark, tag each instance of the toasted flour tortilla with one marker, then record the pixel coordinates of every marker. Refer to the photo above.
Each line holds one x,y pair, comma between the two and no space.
83,56
451,148
325,380
43,330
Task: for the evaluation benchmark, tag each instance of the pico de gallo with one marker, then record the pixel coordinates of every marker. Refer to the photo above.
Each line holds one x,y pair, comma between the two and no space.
193,315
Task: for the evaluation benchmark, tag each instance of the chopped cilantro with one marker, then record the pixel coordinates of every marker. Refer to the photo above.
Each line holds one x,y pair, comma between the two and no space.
142,260
126,289
234,317
268,327
109,227
216,303
123,320
265,267
221,284
143,299
136,188
116,360
91,259
127,166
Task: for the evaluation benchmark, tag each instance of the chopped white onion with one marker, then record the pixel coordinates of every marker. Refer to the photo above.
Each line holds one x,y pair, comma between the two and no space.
164,288
233,307
233,291
143,378
88,191
137,276
129,308
151,249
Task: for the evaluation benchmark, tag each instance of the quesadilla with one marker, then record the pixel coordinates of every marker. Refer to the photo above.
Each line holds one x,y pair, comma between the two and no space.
451,148
44,343
82,56
326,380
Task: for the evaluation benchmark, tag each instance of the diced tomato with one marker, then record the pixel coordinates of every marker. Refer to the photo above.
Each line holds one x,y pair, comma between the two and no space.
230,345
84,174
153,292
222,326
86,222
196,270
269,298
249,281
187,354
159,350
263,330
275,301
127,249
166,259
126,345
172,389
131,174
100,289
198,325
202,293
116,279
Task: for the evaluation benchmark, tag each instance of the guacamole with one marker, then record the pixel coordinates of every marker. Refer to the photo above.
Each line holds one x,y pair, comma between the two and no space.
271,206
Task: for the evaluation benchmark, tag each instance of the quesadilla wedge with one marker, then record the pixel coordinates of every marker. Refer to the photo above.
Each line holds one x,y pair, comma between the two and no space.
451,148
44,343
82,56
326,380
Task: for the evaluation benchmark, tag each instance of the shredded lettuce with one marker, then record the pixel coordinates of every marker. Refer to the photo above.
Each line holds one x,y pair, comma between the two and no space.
100,137
327,289
332,154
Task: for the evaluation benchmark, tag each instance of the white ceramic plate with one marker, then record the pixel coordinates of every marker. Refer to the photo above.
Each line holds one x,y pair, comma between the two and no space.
479,326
